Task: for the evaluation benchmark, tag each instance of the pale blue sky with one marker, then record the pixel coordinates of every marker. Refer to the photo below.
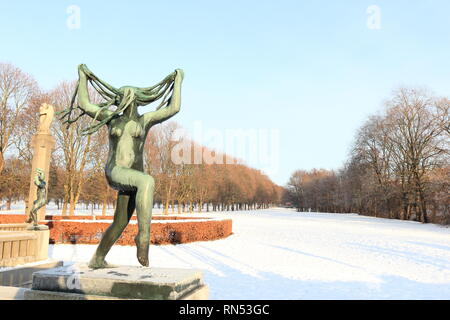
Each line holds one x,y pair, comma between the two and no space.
311,69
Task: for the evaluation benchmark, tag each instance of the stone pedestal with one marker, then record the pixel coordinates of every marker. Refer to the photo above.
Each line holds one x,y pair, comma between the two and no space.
43,236
78,282
23,246
42,144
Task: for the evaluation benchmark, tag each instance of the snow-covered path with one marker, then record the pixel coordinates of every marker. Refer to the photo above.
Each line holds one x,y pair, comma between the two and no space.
281,254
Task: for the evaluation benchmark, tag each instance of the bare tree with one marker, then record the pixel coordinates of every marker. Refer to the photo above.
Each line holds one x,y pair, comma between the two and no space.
27,126
398,168
14,181
16,91
415,134
296,189
159,162
72,148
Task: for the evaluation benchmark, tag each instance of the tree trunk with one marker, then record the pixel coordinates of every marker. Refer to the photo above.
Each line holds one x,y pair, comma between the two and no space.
71,201
2,161
166,207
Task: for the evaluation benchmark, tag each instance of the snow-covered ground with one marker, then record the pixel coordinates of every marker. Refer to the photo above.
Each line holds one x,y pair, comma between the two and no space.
282,254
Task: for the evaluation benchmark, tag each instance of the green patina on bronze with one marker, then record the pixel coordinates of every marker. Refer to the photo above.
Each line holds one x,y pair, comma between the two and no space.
41,197
127,133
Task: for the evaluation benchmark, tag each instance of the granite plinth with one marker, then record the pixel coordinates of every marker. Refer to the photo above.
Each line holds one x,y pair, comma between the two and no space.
79,282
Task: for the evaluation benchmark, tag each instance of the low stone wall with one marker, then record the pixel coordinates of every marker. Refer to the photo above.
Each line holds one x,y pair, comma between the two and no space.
13,227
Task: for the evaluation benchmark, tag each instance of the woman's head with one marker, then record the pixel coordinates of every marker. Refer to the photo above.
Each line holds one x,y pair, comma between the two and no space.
128,95
125,97
40,173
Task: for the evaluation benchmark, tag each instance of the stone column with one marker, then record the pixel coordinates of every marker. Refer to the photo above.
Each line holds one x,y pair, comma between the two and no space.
42,143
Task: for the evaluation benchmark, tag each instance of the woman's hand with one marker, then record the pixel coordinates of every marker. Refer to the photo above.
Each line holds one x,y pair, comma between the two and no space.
81,71
82,68
179,74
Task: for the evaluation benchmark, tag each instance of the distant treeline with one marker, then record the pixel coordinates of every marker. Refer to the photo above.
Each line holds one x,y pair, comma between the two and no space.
398,166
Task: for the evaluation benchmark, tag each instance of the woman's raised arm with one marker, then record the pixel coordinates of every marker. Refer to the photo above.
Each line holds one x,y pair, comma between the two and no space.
84,103
172,108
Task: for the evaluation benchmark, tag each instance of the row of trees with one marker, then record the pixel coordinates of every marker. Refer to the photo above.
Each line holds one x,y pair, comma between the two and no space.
76,173
231,186
398,167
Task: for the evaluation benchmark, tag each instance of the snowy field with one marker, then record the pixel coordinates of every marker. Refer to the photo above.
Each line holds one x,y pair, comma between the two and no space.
282,254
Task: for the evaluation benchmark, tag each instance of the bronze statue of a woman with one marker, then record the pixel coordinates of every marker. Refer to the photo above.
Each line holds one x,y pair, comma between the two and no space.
41,198
127,133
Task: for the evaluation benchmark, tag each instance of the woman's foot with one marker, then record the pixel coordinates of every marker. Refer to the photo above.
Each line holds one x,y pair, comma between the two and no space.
142,246
99,263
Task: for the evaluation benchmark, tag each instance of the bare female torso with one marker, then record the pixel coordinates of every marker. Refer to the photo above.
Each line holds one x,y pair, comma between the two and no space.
126,144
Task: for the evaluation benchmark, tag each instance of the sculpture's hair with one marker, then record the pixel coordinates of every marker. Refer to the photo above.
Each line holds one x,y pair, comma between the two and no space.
122,98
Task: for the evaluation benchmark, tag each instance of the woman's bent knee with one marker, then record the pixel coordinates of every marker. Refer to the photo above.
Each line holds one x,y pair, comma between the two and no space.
147,183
